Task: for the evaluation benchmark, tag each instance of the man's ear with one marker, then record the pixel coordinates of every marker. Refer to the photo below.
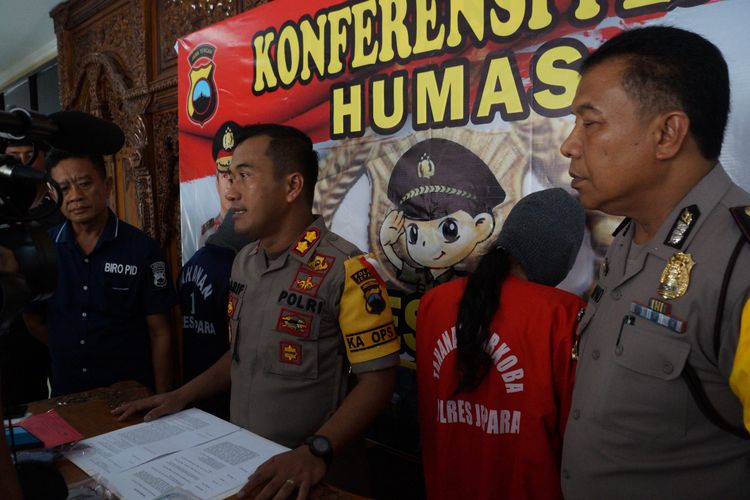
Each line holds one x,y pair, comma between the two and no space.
672,130
295,184
484,224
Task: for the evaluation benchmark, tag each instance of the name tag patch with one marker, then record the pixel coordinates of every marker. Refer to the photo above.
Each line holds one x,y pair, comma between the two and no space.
117,268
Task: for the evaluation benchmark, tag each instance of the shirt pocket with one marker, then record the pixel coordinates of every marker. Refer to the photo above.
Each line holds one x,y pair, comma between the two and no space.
646,395
120,296
292,354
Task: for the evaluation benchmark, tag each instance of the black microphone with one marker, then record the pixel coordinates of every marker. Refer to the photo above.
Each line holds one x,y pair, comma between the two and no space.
82,133
20,172
73,131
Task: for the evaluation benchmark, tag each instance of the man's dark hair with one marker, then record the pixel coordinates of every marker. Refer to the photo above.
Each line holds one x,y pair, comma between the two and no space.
290,149
55,156
673,68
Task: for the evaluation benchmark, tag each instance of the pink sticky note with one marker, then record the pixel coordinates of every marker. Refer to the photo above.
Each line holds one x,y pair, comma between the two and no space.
51,428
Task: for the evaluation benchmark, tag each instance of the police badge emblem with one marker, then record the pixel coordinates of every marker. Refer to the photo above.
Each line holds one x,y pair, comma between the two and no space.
202,98
675,278
159,272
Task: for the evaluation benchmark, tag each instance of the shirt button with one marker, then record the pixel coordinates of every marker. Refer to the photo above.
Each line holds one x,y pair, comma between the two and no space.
576,414
83,314
618,350
84,370
668,368
83,341
86,260
85,287
595,354
616,294
565,474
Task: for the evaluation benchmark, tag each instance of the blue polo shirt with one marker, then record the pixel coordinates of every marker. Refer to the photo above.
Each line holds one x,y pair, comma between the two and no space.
97,317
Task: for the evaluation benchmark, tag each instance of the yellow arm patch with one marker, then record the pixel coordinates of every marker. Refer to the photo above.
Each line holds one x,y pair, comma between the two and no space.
365,316
739,379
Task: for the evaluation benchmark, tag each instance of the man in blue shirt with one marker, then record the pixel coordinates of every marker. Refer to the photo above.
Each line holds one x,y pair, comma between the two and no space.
107,320
203,288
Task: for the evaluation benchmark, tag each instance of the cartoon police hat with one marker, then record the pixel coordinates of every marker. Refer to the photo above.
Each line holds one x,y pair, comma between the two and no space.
224,144
437,177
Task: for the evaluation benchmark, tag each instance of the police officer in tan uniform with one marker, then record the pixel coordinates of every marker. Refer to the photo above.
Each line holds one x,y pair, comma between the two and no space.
304,307
663,349
221,149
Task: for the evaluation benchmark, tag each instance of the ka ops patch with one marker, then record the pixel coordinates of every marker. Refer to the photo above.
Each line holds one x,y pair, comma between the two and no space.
365,315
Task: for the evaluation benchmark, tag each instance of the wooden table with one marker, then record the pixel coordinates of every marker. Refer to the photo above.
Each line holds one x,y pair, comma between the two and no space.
89,413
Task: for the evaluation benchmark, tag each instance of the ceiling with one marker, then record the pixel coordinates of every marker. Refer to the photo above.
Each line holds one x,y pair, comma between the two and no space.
27,37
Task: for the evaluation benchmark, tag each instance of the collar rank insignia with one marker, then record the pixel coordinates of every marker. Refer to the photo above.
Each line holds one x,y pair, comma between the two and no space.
290,352
675,278
305,243
682,226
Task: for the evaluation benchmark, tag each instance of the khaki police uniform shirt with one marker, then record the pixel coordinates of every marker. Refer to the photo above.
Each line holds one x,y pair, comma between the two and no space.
634,430
296,323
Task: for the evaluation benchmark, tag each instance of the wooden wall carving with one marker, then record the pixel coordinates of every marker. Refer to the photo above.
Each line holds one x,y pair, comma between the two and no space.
117,61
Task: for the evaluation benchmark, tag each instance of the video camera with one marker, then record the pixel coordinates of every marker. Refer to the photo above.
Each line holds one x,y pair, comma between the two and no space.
28,264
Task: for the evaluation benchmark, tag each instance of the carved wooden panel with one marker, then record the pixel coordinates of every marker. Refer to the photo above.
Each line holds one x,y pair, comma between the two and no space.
167,174
177,18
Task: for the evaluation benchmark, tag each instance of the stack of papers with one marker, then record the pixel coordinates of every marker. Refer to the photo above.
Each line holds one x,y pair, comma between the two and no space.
191,451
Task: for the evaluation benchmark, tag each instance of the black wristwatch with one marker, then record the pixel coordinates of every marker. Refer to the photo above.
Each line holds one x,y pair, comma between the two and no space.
321,447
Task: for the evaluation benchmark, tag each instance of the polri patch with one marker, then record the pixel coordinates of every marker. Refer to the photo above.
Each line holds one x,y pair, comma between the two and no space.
368,281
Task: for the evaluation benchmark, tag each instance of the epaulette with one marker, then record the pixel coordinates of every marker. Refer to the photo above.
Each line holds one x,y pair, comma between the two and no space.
742,218
625,222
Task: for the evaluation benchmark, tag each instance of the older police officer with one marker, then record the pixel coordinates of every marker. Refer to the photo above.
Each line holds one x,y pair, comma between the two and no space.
663,350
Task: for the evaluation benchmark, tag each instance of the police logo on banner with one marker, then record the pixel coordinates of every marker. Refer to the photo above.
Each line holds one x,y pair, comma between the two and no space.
202,98
159,272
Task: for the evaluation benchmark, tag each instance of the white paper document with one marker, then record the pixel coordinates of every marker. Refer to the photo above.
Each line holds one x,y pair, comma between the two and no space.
125,448
191,450
215,469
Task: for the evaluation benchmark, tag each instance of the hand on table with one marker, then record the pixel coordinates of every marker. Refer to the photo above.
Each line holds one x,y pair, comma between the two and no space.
160,405
282,474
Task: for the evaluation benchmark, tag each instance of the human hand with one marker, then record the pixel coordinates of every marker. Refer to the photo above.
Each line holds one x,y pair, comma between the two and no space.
392,227
282,474
160,405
